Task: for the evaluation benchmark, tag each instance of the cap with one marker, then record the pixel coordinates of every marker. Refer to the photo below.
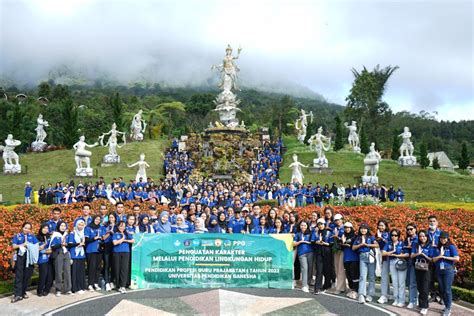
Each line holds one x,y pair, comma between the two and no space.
245,209
444,234
337,216
364,225
321,220
348,224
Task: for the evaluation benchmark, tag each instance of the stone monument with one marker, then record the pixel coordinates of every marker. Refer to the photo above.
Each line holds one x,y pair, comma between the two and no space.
82,156
296,171
353,137
39,144
142,165
112,143
226,102
301,125
137,128
10,157
406,159
317,141
371,163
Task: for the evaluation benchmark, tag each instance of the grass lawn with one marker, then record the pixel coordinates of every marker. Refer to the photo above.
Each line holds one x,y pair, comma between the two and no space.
60,165
418,184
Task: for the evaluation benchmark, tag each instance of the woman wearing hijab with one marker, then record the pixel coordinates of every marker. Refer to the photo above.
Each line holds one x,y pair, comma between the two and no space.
93,237
200,226
45,268
222,222
144,225
121,249
180,226
163,225
213,226
76,242
62,259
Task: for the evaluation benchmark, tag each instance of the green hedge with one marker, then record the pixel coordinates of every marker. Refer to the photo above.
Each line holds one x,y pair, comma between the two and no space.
271,203
463,294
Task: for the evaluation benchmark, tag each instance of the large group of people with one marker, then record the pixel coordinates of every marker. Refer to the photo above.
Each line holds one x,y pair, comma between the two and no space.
340,258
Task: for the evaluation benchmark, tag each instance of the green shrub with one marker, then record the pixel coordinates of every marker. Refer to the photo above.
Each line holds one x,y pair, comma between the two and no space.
463,294
271,203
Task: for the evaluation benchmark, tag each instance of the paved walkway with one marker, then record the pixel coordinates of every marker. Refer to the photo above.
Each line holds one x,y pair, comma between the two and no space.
204,302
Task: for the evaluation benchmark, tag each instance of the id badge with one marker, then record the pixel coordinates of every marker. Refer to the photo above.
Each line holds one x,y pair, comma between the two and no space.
441,265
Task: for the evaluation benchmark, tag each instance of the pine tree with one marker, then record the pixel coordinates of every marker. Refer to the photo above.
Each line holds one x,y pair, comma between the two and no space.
339,143
464,160
436,165
424,161
395,146
70,130
117,110
364,142
44,90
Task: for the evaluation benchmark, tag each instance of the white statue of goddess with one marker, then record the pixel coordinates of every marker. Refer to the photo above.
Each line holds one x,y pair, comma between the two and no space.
82,155
296,171
10,157
112,143
318,140
353,137
228,70
137,127
142,165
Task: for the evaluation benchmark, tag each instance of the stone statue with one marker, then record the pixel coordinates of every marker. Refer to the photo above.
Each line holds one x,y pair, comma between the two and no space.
138,127
39,144
83,156
353,136
296,171
406,149
142,165
10,157
301,125
318,140
371,163
112,142
227,102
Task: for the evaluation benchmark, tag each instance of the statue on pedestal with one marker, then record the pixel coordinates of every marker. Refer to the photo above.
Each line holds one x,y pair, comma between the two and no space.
353,137
10,157
371,163
112,142
82,156
39,144
142,165
301,125
296,171
406,149
137,127
318,140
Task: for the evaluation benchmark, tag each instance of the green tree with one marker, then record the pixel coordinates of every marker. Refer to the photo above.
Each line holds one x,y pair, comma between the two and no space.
70,125
424,161
464,159
364,142
116,105
339,142
283,113
166,114
44,90
436,165
365,103
395,146
60,92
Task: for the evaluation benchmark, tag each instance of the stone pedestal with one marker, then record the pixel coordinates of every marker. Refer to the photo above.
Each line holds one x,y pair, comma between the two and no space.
407,161
320,170
84,172
356,150
370,180
111,160
11,169
38,146
320,162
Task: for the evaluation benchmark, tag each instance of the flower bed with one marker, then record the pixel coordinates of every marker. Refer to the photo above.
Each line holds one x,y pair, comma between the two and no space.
459,223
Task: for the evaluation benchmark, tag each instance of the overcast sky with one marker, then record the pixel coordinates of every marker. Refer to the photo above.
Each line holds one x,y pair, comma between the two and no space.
309,43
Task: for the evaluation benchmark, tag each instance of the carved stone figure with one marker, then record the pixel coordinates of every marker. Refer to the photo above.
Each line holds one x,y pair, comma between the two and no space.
39,144
138,126
142,165
317,141
353,137
371,164
112,143
82,156
406,149
10,157
296,171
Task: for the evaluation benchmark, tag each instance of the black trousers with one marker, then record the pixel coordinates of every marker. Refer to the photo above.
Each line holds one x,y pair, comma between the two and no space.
93,267
352,274
121,263
297,268
46,273
423,285
22,275
129,273
433,278
78,273
108,266
323,268
50,282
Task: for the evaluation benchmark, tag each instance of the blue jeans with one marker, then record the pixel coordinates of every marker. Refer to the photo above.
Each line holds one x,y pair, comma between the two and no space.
367,273
319,204
398,282
299,201
445,280
411,283
385,278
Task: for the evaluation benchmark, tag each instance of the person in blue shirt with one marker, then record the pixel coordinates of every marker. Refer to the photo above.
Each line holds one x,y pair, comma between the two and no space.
22,271
395,252
28,191
236,224
93,237
422,251
444,257
433,237
304,250
180,227
222,222
249,226
279,228
400,195
76,242
121,241
338,255
365,244
107,232
144,225
412,238
45,269
383,236
62,259
262,228
120,215
351,259
86,217
322,238
56,218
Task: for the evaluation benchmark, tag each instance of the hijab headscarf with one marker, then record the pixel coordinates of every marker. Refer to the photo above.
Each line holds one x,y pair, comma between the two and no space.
163,228
144,228
92,224
202,226
40,236
60,234
222,224
183,225
213,228
79,237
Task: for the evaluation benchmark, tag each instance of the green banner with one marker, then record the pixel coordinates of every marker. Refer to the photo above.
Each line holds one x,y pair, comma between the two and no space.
212,261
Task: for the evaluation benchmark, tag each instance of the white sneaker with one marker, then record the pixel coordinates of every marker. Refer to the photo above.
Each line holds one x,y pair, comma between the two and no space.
80,292
382,300
305,289
91,288
411,306
361,299
368,298
70,293
107,287
58,293
400,305
395,303
424,311
112,285
97,287
122,290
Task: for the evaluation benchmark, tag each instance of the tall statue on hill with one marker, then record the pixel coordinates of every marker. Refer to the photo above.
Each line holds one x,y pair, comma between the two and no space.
371,164
39,144
137,128
82,156
406,149
142,166
353,137
10,157
112,142
228,70
318,140
301,125
296,171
